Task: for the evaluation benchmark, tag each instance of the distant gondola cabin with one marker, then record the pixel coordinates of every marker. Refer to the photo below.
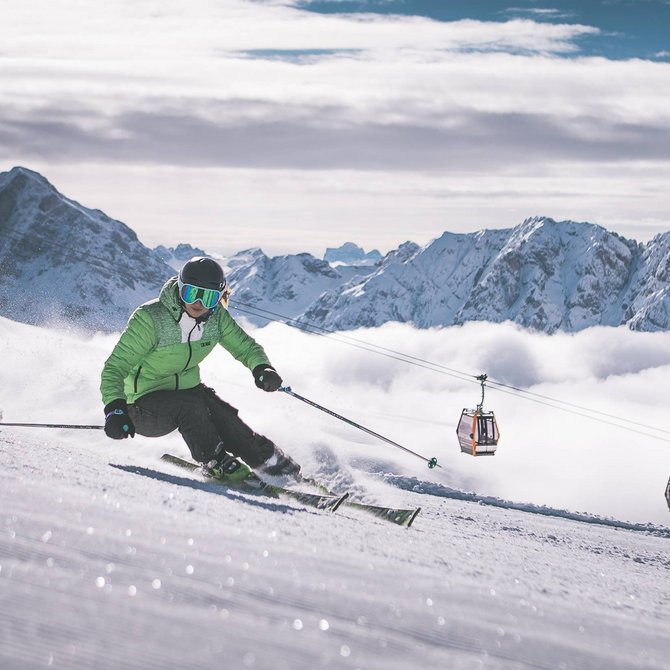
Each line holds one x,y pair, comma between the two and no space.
478,432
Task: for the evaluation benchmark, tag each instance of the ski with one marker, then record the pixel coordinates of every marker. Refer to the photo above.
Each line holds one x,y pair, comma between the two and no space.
254,484
399,516
325,500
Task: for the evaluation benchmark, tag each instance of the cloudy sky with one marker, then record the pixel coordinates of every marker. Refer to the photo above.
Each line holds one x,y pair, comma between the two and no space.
295,124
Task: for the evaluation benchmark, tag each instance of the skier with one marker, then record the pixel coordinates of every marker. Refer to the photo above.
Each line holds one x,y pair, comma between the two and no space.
151,381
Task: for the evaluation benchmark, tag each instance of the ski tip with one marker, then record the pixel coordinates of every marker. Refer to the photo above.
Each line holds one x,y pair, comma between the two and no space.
339,502
410,521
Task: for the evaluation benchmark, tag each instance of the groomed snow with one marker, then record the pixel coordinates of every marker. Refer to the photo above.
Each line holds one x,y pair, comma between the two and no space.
110,558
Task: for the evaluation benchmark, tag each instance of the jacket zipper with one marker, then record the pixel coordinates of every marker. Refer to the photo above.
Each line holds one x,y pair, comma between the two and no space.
188,360
137,377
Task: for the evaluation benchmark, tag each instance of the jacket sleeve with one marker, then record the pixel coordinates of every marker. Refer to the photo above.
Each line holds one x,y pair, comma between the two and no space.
241,345
136,341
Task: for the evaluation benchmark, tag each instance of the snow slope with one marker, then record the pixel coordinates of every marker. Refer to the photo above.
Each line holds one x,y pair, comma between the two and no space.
110,558
106,563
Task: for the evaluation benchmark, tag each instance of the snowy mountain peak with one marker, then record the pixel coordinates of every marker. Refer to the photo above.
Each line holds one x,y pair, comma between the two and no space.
21,184
19,172
175,257
284,284
351,254
73,265
542,274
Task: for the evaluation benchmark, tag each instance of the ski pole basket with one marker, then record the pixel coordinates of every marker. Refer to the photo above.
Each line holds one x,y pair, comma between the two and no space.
477,429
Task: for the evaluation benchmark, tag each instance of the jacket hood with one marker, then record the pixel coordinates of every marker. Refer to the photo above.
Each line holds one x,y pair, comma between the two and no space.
169,296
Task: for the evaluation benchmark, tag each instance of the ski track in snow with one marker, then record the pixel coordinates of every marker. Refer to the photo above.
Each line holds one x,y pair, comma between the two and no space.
110,558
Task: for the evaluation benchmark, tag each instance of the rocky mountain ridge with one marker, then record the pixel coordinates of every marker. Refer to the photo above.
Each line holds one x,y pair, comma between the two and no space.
66,265
542,274
61,262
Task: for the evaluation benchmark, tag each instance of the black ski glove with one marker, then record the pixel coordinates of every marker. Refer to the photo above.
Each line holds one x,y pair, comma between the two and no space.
118,424
267,378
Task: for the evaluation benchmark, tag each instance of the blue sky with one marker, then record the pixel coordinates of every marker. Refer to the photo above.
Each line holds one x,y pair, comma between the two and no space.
296,126
628,28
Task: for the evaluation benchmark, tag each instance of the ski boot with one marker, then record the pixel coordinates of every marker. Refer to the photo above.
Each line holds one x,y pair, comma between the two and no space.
280,465
226,468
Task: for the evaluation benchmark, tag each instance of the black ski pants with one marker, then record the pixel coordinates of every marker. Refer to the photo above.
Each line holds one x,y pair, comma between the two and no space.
203,420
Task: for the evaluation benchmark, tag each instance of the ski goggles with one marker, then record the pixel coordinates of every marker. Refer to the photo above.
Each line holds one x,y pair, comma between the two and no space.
209,297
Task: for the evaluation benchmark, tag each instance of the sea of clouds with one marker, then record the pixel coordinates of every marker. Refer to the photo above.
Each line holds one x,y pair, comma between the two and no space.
607,452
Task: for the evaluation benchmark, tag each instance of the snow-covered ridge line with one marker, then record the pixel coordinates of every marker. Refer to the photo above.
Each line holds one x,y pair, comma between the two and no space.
439,490
543,274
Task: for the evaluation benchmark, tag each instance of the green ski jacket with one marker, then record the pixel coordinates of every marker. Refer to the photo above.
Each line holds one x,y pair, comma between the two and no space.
154,353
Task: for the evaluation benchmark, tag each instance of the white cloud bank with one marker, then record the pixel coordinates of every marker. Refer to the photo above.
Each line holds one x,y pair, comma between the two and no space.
195,120
545,456
127,30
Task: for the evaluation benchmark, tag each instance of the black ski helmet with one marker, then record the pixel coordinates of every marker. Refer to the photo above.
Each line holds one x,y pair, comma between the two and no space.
203,272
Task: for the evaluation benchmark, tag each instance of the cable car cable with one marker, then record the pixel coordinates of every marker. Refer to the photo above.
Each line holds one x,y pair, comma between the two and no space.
325,331
588,416
501,386
370,347
463,376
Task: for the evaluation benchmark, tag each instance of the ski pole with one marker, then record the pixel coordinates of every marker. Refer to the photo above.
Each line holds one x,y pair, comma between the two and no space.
432,462
53,425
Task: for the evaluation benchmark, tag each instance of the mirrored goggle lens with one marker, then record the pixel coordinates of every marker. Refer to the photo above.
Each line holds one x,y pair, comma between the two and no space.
207,296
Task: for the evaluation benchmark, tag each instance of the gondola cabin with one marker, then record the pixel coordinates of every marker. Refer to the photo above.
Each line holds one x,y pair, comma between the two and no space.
478,432
477,429
667,494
